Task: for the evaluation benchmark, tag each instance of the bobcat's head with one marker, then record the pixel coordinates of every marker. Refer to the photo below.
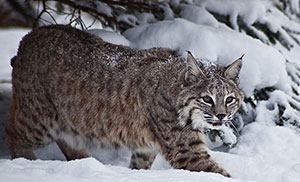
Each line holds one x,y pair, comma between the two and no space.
210,95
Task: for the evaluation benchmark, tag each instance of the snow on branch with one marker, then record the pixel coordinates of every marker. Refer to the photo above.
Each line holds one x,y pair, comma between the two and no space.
270,21
109,13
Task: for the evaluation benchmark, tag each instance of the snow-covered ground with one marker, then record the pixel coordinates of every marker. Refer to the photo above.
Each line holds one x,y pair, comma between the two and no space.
265,152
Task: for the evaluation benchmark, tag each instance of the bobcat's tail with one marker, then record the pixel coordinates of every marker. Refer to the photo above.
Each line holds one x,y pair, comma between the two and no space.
12,61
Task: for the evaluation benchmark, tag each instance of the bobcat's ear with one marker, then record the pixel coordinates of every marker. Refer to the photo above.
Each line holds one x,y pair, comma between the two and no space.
232,71
193,71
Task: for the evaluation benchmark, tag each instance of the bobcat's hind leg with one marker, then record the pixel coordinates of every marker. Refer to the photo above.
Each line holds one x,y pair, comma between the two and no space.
71,153
141,160
18,145
26,153
22,137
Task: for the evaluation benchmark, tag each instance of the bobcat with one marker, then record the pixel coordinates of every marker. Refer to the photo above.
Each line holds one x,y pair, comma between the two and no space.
73,88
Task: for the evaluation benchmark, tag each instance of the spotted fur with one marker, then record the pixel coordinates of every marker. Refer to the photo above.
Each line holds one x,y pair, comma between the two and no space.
73,88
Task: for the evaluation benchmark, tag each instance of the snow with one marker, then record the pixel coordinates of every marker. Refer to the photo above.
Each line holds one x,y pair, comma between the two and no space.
129,19
92,170
111,37
145,18
295,5
8,49
167,12
99,6
265,152
198,15
248,11
217,45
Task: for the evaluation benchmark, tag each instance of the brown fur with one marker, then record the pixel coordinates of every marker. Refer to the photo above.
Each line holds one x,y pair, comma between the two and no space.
73,88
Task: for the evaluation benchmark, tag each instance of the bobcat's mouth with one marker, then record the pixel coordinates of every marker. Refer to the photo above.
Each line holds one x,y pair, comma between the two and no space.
214,121
217,123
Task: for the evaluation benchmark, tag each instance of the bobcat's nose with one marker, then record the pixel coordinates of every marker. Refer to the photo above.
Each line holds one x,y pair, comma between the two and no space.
221,116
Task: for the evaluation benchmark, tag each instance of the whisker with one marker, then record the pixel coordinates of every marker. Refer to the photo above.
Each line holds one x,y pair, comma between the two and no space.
233,127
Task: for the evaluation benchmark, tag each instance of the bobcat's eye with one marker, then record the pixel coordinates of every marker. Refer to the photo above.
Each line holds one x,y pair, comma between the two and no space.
208,99
229,99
